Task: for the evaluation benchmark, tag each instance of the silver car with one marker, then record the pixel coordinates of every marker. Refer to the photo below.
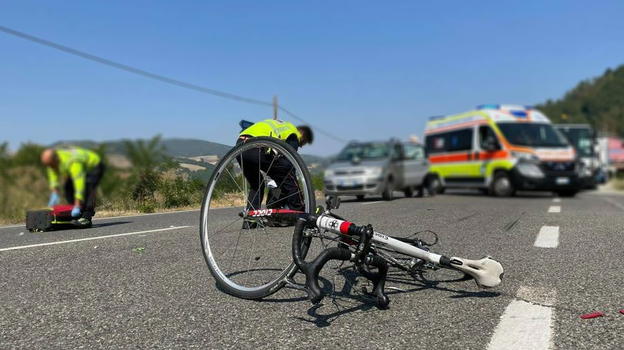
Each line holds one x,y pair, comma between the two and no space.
377,168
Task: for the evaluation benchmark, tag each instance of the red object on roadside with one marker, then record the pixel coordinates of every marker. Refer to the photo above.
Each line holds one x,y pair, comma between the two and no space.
62,210
592,315
622,311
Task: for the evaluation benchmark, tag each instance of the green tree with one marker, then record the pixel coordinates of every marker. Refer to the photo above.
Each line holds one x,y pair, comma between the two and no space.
4,174
148,158
5,160
598,102
28,154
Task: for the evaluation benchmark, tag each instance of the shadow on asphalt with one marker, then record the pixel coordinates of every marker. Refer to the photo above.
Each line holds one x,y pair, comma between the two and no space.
365,200
115,223
69,227
366,301
355,200
517,195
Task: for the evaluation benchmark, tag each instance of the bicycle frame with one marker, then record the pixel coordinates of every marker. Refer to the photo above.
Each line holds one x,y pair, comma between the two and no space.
487,272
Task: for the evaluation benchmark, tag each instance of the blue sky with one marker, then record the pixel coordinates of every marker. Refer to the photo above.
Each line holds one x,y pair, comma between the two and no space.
360,69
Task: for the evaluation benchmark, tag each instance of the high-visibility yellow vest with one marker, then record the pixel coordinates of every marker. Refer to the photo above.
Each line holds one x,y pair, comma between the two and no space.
272,128
74,163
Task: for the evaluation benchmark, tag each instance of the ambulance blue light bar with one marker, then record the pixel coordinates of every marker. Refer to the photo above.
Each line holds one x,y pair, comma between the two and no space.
436,117
518,113
489,106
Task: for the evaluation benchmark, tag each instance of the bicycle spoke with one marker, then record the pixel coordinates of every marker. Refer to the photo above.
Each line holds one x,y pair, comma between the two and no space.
247,199
283,198
227,226
271,165
251,256
235,249
245,192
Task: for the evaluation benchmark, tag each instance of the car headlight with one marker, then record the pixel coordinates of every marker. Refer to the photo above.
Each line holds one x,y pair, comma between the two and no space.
376,171
585,171
530,170
524,156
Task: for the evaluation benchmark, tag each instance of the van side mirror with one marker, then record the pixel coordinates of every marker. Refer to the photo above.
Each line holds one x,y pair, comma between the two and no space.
490,145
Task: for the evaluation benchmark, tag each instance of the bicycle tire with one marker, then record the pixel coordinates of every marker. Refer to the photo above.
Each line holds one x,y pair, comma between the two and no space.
223,282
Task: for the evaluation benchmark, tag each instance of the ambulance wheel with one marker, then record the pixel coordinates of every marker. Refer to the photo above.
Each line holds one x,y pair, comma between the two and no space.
502,185
359,197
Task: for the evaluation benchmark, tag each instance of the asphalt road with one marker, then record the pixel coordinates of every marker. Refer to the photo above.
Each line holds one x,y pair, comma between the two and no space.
141,282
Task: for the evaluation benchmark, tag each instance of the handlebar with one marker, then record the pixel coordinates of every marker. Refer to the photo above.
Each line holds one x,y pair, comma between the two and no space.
360,257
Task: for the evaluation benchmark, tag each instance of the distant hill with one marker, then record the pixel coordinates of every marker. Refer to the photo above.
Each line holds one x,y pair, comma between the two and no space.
598,101
175,147
182,150
194,148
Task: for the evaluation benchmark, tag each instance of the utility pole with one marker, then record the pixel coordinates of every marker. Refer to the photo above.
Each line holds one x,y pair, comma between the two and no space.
275,107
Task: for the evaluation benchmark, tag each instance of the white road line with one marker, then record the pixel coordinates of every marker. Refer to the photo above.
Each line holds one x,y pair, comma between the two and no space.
375,202
523,326
127,216
614,202
12,226
148,214
548,237
91,238
556,200
554,209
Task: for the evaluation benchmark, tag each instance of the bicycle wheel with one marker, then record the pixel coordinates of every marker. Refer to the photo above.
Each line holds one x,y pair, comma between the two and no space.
249,257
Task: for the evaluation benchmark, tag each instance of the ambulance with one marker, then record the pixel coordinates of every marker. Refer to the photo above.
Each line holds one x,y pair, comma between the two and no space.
500,149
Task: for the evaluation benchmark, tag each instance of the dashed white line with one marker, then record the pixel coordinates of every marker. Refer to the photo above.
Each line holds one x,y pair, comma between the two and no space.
548,237
91,238
615,203
523,326
554,209
556,200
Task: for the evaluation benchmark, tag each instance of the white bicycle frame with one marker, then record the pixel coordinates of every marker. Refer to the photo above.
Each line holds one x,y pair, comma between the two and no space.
487,272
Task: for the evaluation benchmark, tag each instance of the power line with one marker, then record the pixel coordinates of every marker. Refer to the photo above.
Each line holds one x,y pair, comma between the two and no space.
154,76
331,136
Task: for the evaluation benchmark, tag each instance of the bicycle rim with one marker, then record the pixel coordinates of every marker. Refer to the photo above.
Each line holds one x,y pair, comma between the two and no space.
252,261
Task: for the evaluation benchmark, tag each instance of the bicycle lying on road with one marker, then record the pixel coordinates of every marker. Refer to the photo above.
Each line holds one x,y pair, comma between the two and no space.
252,251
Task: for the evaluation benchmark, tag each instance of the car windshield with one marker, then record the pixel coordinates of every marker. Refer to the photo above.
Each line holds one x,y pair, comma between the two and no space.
370,150
532,134
580,138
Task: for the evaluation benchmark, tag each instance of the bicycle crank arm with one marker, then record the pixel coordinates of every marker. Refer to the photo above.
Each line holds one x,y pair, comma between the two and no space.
486,271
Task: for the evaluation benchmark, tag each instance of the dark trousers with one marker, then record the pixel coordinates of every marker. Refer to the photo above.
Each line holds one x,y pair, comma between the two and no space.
92,180
280,170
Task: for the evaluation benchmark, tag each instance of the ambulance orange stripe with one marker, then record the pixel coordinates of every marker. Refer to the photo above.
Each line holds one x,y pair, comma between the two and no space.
464,157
